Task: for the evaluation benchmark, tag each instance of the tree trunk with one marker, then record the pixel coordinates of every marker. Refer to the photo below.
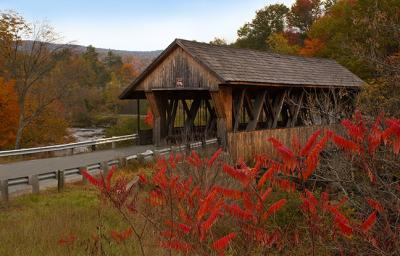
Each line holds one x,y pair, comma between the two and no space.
21,126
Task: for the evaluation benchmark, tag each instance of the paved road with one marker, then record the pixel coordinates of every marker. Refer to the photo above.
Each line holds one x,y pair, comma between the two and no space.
38,166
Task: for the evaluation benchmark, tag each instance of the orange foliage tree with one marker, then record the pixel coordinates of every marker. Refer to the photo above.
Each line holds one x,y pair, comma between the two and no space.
312,47
8,114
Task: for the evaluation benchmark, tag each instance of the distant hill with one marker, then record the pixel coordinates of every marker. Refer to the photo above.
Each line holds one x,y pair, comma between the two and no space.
144,56
138,54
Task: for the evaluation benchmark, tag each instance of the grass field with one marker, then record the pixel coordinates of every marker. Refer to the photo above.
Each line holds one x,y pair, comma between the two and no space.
33,224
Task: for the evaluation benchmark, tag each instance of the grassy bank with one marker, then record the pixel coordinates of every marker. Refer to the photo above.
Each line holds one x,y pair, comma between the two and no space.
34,224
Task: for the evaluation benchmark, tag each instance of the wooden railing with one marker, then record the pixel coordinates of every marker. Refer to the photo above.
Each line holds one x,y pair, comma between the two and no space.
247,145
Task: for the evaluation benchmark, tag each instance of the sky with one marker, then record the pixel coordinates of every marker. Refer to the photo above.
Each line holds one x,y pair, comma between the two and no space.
140,25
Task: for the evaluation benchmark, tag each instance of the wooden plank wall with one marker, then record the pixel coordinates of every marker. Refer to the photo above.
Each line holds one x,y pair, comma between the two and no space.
247,145
179,65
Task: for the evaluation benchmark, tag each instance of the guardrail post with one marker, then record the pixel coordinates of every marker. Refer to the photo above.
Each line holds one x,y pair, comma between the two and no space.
122,162
70,151
140,158
113,145
188,150
84,180
60,180
93,147
34,181
4,190
104,166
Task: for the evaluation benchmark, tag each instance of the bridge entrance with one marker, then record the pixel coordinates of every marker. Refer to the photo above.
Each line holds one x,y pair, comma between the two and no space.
182,116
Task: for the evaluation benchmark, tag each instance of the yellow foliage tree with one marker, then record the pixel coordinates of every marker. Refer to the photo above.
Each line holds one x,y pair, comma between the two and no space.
8,114
278,43
48,128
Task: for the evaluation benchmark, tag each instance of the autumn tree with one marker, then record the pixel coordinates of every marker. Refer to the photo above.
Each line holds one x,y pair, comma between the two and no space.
312,47
280,44
8,114
304,13
49,128
364,36
268,20
28,60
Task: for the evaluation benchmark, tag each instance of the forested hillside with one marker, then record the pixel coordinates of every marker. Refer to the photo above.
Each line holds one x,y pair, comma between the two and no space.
47,87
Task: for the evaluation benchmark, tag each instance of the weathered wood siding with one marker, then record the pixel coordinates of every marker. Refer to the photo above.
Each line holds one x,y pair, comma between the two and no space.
179,66
247,145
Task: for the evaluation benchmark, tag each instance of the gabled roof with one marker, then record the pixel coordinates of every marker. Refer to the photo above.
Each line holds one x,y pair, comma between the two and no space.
244,66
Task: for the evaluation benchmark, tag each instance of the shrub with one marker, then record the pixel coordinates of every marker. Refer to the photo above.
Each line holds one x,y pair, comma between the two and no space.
209,206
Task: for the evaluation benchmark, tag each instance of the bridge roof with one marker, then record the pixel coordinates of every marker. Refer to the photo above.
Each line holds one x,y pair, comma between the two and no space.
244,66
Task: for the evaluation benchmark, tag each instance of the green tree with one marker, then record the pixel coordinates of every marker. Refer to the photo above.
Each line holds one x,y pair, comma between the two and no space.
218,41
102,76
268,20
335,31
113,61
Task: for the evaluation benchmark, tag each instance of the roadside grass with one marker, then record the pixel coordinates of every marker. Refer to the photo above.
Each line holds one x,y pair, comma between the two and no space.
33,224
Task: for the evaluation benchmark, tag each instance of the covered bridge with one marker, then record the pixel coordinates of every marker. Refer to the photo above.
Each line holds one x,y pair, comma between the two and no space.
197,91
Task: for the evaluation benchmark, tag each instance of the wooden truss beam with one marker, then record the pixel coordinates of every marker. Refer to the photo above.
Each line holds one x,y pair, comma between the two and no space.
194,108
171,120
238,105
212,120
295,105
258,104
277,108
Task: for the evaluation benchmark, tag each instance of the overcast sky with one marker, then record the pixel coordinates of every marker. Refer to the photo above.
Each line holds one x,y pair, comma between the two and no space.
140,25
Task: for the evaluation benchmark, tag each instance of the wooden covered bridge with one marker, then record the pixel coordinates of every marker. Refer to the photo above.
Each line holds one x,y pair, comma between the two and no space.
198,91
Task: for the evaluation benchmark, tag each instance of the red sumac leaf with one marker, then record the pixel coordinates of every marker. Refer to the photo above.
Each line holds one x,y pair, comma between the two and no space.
369,222
223,242
375,204
274,208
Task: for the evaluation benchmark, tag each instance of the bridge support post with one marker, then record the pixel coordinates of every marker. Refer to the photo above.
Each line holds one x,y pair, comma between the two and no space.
223,109
60,180
34,182
84,180
4,190
105,168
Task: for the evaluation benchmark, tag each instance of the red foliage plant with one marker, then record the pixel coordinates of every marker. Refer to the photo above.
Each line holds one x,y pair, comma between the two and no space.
200,205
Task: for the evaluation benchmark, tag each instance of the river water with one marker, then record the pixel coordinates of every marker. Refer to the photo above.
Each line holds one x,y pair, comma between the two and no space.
84,134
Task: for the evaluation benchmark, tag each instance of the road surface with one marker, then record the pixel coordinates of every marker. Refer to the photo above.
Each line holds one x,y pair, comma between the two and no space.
38,166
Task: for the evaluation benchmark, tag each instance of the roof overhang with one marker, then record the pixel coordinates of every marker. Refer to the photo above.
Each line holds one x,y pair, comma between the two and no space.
261,84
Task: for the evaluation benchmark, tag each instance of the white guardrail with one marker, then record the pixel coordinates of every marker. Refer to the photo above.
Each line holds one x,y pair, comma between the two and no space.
70,146
59,176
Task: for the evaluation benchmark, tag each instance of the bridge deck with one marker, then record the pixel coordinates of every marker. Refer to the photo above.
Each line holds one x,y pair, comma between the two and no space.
38,166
